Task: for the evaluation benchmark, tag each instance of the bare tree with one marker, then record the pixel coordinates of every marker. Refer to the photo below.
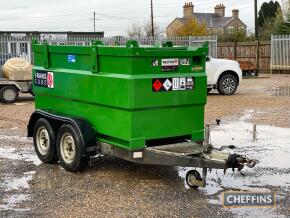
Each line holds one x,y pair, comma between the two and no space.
135,30
148,29
139,30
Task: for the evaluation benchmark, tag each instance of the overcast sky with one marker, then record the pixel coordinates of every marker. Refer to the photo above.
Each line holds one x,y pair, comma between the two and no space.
115,16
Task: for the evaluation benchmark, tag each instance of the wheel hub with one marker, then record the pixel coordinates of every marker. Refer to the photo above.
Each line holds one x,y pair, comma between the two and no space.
67,148
9,94
228,85
42,141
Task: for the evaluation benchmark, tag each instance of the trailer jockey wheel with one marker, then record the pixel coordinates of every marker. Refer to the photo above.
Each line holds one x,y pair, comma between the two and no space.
193,177
44,141
70,149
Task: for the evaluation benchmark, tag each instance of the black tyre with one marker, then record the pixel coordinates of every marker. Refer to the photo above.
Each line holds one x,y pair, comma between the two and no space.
44,141
192,175
9,94
227,84
69,149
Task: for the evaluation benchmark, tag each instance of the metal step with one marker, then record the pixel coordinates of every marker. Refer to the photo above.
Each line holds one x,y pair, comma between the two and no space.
183,149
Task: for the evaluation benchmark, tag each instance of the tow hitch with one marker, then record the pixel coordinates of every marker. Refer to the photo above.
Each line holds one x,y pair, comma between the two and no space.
233,161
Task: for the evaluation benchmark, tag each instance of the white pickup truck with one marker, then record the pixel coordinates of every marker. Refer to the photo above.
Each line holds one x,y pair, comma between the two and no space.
223,75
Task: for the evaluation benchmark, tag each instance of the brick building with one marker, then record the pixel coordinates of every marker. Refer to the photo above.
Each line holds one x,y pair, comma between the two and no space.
217,22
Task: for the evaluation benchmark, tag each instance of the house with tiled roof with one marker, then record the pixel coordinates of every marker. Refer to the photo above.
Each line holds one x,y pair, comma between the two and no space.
217,22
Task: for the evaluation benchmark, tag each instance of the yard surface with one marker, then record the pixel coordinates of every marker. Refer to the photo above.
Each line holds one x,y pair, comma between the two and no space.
115,188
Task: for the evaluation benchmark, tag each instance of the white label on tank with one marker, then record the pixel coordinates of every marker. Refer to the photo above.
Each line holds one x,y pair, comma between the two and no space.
167,84
189,83
169,62
182,83
175,85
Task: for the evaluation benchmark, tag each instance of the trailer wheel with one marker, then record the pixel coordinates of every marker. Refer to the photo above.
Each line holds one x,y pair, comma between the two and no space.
9,94
69,149
44,141
191,176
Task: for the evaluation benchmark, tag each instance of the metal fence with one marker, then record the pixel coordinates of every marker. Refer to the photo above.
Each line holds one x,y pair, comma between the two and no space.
21,47
15,47
280,52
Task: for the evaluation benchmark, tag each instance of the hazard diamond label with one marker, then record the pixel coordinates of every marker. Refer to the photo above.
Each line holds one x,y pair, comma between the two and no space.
156,85
167,84
172,84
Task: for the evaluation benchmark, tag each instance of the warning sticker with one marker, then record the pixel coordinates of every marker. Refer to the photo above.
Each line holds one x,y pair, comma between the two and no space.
184,61
167,84
156,85
155,62
169,62
71,58
182,83
44,79
189,83
172,84
50,82
168,65
175,85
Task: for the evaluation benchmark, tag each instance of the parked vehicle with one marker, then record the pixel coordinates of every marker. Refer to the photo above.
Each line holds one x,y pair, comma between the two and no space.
223,75
140,104
15,77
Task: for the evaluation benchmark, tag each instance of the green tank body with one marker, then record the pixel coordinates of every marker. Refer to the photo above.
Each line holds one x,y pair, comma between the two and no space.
130,95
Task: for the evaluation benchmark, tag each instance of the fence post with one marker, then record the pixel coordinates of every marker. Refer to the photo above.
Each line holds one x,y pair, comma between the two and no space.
258,57
235,50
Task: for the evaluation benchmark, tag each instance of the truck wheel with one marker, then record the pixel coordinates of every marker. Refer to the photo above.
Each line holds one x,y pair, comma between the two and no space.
44,141
191,176
9,94
227,85
69,149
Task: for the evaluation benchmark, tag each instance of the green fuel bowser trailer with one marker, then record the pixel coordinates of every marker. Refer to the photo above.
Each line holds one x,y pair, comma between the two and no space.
141,104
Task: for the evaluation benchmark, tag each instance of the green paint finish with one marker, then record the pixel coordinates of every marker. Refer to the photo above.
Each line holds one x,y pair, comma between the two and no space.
111,87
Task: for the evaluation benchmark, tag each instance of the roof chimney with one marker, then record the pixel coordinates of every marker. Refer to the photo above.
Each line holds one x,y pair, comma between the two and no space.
188,10
235,13
220,10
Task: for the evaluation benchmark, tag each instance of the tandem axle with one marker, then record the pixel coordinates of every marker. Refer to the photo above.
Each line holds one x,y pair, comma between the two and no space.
72,141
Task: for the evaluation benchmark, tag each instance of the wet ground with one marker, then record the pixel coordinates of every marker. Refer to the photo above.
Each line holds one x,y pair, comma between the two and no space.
112,187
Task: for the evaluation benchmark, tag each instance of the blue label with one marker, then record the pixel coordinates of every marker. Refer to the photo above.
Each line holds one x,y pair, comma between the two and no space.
71,58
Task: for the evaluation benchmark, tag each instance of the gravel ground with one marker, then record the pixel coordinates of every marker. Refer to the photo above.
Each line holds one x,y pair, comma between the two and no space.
115,188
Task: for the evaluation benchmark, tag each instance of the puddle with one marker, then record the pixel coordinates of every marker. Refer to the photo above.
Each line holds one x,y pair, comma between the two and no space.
270,146
12,184
281,91
13,202
13,187
14,154
15,184
15,138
